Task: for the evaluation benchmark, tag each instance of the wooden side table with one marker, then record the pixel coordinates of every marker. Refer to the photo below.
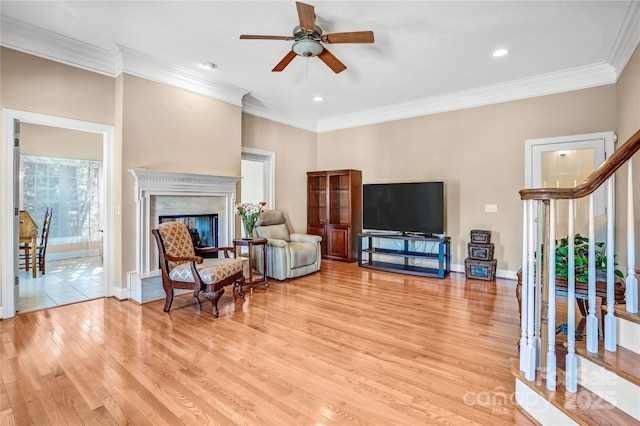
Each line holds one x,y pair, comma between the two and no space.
254,279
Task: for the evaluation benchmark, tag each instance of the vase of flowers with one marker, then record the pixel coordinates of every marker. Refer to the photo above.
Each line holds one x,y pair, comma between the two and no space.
249,212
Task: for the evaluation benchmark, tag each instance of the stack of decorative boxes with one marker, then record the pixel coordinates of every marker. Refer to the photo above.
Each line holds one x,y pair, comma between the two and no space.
480,264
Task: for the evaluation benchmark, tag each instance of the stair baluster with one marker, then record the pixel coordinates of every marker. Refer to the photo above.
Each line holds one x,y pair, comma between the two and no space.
610,319
551,301
592,321
631,280
571,360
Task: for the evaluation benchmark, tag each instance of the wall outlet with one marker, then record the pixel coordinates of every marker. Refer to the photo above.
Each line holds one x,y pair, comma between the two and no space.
491,208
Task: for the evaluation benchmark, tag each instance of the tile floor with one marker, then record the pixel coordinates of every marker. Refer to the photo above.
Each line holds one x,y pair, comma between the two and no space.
65,281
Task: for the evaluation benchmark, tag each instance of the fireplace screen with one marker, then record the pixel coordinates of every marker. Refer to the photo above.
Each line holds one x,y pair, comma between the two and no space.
203,227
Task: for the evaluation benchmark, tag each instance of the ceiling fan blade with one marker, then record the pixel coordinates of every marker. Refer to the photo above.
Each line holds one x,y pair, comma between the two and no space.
332,62
306,15
351,37
285,61
264,37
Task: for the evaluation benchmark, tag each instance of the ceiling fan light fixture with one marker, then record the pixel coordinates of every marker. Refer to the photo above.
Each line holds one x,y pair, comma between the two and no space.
500,52
209,65
307,47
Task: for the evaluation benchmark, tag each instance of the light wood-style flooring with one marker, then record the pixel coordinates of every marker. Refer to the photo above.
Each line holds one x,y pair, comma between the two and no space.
346,345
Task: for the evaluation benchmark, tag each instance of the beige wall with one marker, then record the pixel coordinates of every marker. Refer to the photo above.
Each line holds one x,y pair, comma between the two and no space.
477,152
295,156
628,101
164,128
56,142
38,85
34,84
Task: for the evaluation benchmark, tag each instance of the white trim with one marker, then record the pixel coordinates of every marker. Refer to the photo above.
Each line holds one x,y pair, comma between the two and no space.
614,389
260,109
36,41
627,39
121,293
628,334
147,67
150,183
548,84
530,144
27,38
540,408
500,273
268,158
7,261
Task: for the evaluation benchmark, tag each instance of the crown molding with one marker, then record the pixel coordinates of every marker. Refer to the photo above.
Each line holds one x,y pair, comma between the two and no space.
150,68
260,109
35,41
548,84
627,39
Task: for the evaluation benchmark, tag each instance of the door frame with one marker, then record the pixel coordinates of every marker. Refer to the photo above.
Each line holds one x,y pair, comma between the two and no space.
268,158
609,139
9,273
576,142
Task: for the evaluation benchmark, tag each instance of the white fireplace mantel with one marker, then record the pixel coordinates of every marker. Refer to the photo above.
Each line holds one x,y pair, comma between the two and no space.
150,183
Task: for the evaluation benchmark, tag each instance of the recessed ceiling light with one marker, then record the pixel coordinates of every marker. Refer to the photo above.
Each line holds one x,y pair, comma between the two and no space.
317,99
500,52
209,65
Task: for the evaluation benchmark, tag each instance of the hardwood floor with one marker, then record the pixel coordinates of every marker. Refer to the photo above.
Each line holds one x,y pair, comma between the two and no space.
346,345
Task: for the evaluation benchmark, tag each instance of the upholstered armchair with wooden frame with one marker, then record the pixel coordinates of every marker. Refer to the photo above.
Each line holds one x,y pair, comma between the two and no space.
199,269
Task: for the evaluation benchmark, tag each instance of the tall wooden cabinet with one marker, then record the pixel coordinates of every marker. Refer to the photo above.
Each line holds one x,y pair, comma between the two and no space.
334,211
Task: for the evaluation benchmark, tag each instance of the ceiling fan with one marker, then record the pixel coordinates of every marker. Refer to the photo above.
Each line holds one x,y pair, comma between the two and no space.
308,39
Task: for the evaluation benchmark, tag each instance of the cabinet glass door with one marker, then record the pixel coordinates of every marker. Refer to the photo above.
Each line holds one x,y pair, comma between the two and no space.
339,199
317,199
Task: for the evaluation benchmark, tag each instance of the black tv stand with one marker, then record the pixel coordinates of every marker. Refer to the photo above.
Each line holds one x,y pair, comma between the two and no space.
420,234
370,252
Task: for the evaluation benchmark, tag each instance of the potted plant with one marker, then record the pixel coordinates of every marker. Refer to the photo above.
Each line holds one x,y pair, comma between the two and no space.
581,250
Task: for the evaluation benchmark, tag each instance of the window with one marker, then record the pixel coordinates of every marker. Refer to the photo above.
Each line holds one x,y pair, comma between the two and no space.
73,188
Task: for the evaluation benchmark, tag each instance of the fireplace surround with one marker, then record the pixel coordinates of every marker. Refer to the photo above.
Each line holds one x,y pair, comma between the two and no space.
151,185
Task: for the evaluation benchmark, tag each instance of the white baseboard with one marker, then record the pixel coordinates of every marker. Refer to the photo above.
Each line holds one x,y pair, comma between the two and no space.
72,254
121,293
500,273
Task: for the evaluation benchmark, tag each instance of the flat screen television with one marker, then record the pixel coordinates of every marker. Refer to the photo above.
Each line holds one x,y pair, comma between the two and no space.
411,207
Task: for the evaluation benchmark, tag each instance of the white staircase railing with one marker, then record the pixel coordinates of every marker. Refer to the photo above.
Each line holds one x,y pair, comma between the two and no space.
539,285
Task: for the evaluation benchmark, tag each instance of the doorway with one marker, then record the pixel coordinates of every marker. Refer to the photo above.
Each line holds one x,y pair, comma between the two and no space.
564,162
258,176
11,199
61,171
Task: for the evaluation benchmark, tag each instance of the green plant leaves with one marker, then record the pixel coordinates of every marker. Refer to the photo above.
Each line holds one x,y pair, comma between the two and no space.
581,253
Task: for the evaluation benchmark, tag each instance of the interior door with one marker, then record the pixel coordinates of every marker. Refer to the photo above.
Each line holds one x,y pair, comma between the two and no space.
16,216
564,162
